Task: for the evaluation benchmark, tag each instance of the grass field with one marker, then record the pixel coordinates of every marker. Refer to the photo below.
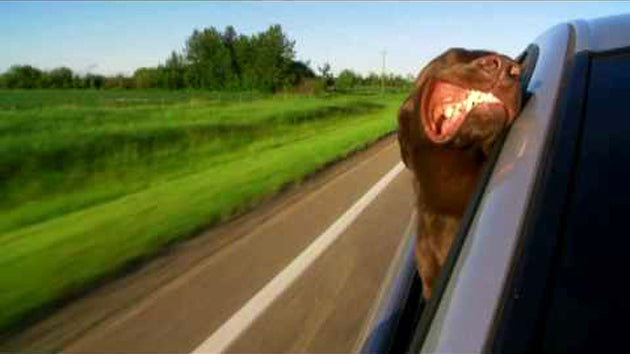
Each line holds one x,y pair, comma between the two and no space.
94,180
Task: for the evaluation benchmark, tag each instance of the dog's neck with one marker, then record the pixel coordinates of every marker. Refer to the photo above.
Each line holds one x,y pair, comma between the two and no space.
449,177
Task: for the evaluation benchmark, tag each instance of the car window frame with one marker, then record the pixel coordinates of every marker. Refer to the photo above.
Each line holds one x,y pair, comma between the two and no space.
514,327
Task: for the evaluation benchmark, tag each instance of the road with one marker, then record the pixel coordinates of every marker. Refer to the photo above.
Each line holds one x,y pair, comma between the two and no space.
299,275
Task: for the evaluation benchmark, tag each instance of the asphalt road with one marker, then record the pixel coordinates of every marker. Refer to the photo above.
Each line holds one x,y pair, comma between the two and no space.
299,275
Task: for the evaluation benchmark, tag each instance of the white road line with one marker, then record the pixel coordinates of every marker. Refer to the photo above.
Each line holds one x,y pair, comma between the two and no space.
223,337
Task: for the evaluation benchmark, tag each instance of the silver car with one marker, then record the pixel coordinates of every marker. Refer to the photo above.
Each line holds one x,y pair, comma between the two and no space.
540,260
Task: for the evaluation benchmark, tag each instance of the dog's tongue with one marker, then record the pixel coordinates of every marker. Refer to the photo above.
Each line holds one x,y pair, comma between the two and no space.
444,121
446,111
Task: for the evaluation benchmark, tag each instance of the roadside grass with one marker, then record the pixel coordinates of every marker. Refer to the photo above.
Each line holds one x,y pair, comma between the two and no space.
55,160
46,98
90,189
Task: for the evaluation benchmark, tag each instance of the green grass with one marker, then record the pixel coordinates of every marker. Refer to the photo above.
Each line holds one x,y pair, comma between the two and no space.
89,187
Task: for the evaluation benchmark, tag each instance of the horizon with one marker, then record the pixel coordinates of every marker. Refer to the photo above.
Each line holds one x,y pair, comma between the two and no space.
113,38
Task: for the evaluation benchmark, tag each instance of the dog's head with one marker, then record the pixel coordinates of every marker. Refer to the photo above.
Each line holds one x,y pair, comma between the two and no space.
460,99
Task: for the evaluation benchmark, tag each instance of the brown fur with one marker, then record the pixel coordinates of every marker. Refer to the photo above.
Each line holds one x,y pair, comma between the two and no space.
446,173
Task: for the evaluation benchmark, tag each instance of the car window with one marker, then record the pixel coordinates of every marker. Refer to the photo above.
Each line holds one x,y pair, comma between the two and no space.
527,59
587,301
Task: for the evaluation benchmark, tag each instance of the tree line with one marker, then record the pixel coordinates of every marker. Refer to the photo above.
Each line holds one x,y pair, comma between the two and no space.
213,60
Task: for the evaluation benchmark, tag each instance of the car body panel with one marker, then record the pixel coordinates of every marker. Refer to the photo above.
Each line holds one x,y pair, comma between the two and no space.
603,34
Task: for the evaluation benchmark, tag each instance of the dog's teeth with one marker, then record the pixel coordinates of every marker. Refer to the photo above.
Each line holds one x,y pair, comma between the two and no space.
470,103
476,97
448,112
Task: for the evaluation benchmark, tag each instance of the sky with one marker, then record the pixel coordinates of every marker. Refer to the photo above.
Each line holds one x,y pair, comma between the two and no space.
119,37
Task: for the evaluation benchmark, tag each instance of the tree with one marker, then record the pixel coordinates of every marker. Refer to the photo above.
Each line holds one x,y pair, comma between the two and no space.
273,56
325,72
244,58
347,80
230,61
271,60
77,82
146,78
372,79
24,76
209,58
61,78
234,75
94,81
174,72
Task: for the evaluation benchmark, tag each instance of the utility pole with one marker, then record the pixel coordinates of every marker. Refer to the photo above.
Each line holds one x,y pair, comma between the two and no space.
383,53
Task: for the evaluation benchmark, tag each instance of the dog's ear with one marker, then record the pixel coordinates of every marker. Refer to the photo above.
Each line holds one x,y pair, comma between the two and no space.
406,127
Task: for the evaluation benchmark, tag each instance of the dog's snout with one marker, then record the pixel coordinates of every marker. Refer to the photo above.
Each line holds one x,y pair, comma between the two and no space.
491,64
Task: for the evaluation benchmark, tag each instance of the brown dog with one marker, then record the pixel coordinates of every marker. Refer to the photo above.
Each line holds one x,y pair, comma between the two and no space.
461,102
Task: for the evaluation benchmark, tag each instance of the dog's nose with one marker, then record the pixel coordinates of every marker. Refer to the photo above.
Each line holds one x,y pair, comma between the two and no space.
490,64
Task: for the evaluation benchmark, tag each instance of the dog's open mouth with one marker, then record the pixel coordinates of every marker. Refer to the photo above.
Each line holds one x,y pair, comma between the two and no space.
449,105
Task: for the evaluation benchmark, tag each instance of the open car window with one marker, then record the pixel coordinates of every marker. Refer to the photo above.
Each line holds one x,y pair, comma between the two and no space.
404,319
528,59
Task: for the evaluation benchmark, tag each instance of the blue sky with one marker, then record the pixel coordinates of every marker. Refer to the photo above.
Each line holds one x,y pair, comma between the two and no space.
118,37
